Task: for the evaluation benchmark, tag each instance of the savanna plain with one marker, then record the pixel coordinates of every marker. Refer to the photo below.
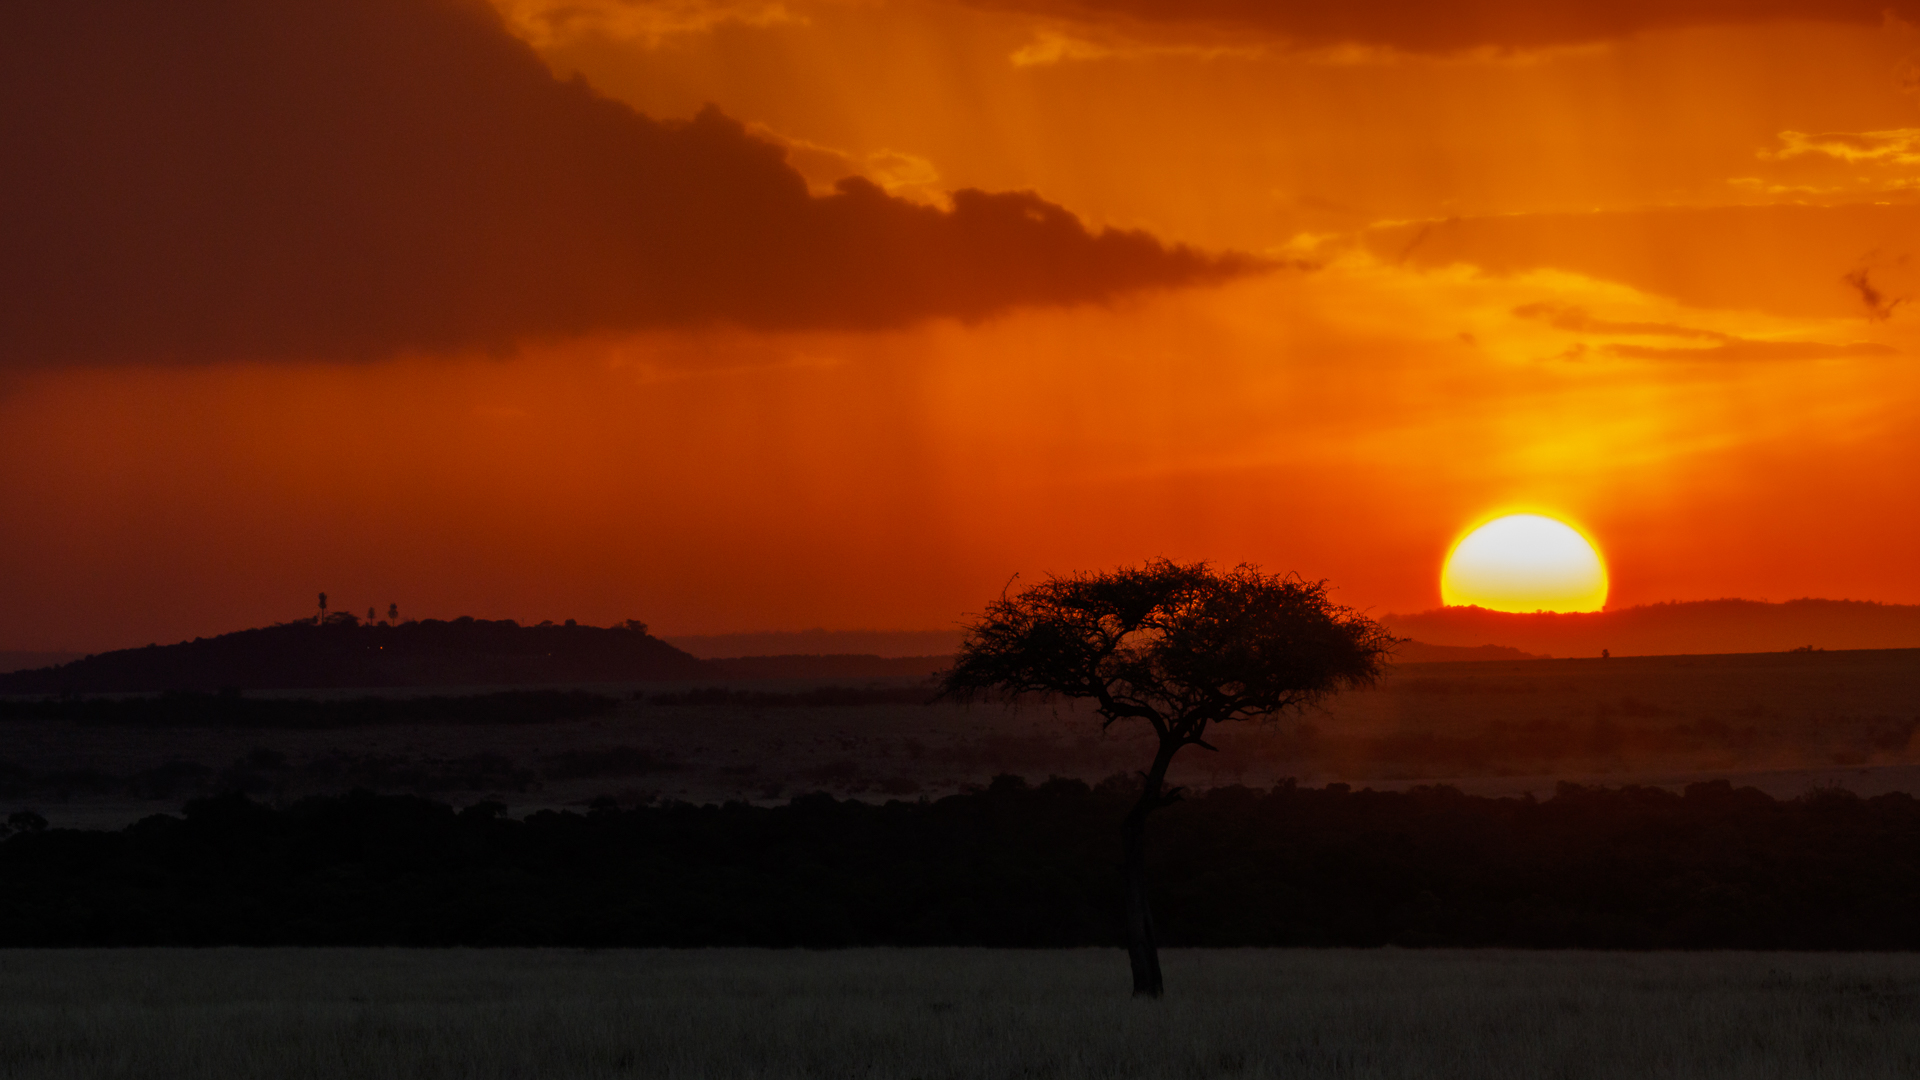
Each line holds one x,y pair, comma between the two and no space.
302,1014
1784,721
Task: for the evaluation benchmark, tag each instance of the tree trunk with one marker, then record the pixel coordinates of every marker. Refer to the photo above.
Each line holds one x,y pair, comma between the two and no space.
1143,949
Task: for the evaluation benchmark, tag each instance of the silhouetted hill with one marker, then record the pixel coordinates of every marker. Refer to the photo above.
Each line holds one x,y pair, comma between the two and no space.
1701,626
345,653
816,697
892,644
22,661
829,666
1419,652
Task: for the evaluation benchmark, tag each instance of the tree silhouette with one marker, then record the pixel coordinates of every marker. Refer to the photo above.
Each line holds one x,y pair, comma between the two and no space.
393,613
1181,647
322,617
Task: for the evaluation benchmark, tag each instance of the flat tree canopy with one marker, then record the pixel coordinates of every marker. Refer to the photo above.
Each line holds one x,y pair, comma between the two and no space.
1180,646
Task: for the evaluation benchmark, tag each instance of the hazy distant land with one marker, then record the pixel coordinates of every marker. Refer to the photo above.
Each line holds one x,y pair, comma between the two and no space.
646,720
1673,628
1701,626
1691,627
884,643
347,653
483,783
1782,721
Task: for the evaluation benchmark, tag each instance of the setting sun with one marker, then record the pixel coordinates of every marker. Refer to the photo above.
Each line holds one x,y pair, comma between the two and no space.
1525,562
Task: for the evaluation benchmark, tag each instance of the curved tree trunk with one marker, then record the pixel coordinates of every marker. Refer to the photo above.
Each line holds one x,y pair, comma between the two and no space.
1143,948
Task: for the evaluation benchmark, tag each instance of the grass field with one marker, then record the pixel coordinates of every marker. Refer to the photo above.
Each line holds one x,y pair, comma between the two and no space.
294,1014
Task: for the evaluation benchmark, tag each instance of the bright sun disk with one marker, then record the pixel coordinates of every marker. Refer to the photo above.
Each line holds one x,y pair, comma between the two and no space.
1525,562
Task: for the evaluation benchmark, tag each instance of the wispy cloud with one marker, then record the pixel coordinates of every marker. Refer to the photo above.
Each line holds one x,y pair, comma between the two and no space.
1564,317
1795,260
1879,305
1446,26
547,23
1725,348
1053,46
1743,350
1896,146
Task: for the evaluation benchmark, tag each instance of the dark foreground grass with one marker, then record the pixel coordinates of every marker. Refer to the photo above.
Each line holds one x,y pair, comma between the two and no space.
937,1013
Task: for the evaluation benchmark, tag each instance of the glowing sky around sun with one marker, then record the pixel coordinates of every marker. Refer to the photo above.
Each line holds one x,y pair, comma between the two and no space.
1525,562
1653,274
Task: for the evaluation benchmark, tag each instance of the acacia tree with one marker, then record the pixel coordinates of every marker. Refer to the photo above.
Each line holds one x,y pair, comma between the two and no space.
1181,647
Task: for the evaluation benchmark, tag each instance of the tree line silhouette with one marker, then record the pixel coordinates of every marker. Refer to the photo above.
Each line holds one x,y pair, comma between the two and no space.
1011,864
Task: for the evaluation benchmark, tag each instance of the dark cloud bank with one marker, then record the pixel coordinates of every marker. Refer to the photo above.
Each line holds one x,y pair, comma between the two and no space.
210,179
1439,26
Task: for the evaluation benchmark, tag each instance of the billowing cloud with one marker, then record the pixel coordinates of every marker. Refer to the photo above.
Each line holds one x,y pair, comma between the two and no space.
1442,26
354,178
896,172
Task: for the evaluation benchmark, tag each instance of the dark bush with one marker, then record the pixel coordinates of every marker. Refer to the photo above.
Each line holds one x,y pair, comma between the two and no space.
1014,864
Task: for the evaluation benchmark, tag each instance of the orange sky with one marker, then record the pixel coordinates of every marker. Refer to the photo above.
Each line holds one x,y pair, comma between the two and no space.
581,365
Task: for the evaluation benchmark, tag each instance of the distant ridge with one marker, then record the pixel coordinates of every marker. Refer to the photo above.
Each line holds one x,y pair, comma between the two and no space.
888,644
1700,626
830,666
1419,652
344,652
20,661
